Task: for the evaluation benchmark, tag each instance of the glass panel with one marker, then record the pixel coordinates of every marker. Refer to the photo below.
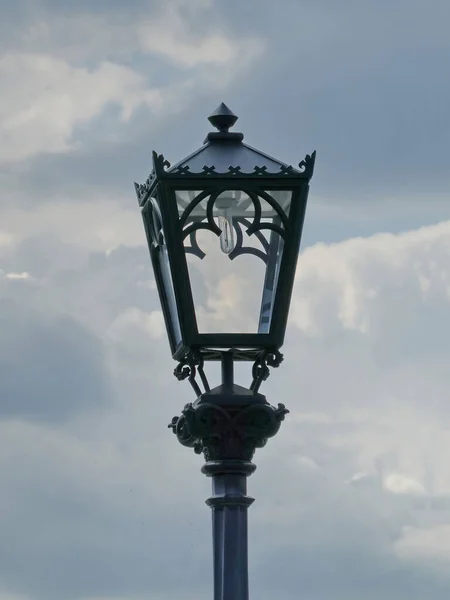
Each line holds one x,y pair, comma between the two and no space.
155,236
166,277
276,245
234,275
237,201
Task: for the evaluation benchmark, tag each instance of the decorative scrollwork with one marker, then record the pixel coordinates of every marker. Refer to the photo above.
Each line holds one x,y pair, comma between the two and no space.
276,207
191,364
223,434
160,164
183,171
260,171
209,170
194,248
143,190
195,202
241,249
261,371
307,165
190,225
287,170
180,428
234,170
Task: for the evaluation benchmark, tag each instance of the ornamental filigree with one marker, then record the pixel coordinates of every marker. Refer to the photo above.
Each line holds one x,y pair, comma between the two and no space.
261,371
188,367
192,364
224,434
307,165
162,166
254,223
306,172
143,190
161,170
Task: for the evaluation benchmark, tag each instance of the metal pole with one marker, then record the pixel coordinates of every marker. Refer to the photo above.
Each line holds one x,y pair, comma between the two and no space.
229,504
227,424
227,370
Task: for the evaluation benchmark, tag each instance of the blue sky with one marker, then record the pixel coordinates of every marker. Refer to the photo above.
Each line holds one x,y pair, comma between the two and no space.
98,500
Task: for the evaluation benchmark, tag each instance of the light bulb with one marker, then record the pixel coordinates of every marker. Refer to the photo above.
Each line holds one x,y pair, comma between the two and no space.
227,237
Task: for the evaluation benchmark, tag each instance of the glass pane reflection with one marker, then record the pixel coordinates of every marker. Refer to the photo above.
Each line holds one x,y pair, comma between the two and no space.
234,275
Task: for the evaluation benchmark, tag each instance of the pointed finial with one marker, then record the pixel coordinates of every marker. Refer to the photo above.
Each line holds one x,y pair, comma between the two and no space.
222,118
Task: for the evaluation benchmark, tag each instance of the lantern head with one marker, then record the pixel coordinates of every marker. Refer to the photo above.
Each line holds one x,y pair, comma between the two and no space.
223,228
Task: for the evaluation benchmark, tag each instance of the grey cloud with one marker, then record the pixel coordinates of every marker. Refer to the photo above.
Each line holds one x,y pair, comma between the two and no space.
343,553
76,527
106,517
50,369
352,93
345,574
122,512
92,287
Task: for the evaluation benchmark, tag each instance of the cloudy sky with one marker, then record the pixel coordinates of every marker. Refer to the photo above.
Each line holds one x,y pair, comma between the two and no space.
97,499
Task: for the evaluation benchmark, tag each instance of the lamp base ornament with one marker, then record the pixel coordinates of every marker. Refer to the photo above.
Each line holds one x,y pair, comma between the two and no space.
227,433
226,424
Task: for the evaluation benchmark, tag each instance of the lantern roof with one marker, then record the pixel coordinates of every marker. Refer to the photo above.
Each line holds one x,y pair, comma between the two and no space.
224,154
225,151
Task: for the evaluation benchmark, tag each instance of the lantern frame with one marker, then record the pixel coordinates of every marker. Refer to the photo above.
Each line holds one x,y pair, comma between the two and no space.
157,199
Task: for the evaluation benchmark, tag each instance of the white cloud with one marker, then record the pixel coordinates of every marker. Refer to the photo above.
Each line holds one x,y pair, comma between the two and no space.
360,478
347,286
45,98
6,238
354,409
135,319
307,463
366,363
170,36
23,275
99,225
48,93
397,483
431,543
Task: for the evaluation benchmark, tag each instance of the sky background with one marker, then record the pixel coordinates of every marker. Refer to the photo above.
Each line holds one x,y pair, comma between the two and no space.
98,501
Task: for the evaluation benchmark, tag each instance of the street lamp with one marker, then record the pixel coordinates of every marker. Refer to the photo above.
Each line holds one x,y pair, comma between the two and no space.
229,198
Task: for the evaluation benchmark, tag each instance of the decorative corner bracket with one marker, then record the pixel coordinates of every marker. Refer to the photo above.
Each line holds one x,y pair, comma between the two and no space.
192,364
261,371
188,367
307,165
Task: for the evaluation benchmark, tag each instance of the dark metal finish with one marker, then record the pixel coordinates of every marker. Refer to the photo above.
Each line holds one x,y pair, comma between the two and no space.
167,232
261,366
193,363
228,422
280,224
188,367
222,118
227,432
229,503
220,159
223,164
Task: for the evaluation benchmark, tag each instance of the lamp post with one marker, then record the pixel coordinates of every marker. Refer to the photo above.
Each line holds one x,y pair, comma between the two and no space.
244,202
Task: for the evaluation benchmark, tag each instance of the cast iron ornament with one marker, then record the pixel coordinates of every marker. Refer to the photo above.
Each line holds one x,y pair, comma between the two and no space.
161,168
189,226
225,434
193,363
